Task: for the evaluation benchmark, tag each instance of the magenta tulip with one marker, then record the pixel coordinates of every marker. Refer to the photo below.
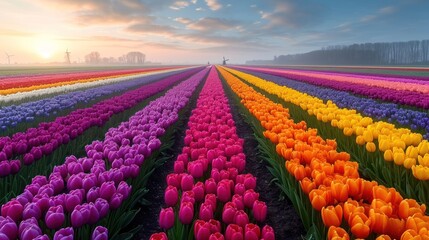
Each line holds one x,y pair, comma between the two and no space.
158,236
223,191
249,197
228,212
64,234
8,228
171,196
216,236
241,218
202,230
187,182
198,190
234,232
186,212
206,212
12,209
166,218
252,232
268,233
210,186
259,211
55,218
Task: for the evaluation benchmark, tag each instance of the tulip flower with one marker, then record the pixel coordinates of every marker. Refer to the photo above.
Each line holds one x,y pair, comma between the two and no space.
241,218
409,207
186,212
234,232
202,230
64,234
198,190
216,236
100,233
228,212
249,197
252,232
158,236
12,209
80,216
166,218
206,212
332,216
359,223
268,233
187,182
55,218
31,210
259,211
171,196
223,191
339,191
8,228
210,186
337,233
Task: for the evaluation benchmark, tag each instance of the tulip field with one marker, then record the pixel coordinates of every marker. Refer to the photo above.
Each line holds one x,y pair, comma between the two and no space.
214,153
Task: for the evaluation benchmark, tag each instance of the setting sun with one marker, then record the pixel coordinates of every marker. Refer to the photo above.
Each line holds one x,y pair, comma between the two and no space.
45,47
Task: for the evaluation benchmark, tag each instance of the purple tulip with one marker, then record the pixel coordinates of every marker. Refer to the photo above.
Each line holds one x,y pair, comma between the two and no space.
93,194
71,201
55,218
64,234
15,166
107,190
8,228
80,216
102,206
124,189
5,168
100,233
94,215
29,230
116,200
31,210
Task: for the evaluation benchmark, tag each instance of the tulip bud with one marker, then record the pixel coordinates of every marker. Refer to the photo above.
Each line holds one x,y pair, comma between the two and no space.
268,233
102,206
238,201
202,230
216,236
228,212
79,216
186,212
8,228
211,199
12,209
116,201
158,236
198,190
252,232
171,196
55,218
64,234
166,218
210,186
259,211
187,182
206,211
100,233
107,190
332,216
223,191
249,197
234,232
179,167
241,218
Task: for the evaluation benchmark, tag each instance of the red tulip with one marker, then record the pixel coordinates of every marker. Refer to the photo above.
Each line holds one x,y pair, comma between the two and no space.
174,179
218,163
234,232
239,189
186,212
259,211
158,236
171,196
166,218
238,201
215,225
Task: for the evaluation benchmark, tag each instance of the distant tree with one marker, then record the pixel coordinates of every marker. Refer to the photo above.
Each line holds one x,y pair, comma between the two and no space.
93,58
135,58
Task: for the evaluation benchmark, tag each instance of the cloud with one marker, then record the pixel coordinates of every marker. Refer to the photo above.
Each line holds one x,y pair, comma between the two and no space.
151,28
380,13
212,24
15,33
199,9
183,20
179,5
194,1
387,10
214,5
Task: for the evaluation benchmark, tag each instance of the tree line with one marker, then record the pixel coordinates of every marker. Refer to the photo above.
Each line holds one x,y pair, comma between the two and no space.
393,53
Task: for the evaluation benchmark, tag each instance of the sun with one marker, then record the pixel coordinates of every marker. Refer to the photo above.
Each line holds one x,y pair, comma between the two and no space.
45,46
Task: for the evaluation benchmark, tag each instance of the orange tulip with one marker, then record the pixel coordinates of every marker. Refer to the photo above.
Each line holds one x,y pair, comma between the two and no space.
351,206
383,237
307,185
396,227
367,192
318,199
409,207
384,207
332,216
340,191
299,172
378,221
337,233
417,222
355,187
410,234
359,224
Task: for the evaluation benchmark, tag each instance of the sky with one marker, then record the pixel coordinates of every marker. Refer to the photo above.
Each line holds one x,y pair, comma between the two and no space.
200,31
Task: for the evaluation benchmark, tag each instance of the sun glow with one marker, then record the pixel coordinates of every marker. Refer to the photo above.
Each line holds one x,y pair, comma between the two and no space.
45,47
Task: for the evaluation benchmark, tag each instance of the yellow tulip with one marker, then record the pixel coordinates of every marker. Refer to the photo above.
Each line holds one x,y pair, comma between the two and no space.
367,136
399,158
388,155
383,145
359,130
423,147
420,172
399,143
348,131
412,152
370,147
409,162
424,161
360,140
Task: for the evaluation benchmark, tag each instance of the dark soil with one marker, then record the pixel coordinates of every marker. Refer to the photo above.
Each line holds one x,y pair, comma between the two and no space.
281,216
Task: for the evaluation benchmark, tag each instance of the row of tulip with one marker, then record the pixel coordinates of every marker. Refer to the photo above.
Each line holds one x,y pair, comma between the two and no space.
13,115
24,148
38,94
27,83
208,196
330,180
394,93
82,192
408,147
381,111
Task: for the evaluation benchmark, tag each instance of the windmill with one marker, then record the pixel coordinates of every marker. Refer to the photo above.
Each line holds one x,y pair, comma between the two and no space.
67,56
224,61
8,57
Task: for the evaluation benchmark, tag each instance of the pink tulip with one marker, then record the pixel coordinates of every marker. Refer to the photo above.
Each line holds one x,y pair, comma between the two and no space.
228,212
188,196
216,236
218,163
234,232
174,179
202,230
186,212
210,186
107,190
179,167
238,201
187,182
32,210
268,233
211,199
239,189
241,218
215,225
252,232
166,218
249,197
198,190
259,211
206,211
171,196
223,191
196,169
12,209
